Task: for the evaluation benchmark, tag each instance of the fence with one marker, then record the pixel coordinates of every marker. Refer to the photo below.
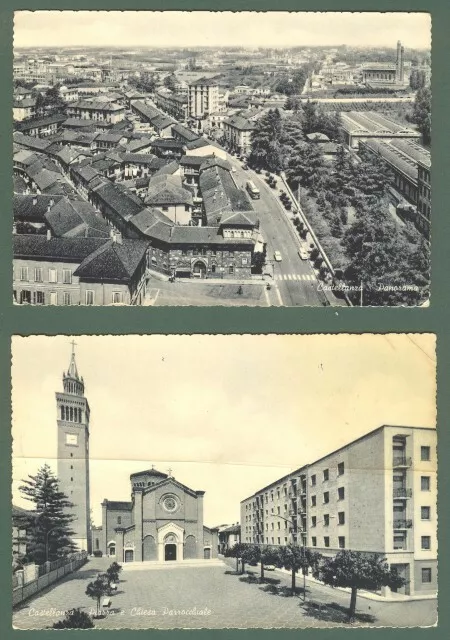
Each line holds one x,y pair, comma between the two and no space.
44,575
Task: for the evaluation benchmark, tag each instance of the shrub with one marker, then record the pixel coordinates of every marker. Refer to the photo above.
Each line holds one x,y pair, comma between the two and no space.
270,588
97,553
74,619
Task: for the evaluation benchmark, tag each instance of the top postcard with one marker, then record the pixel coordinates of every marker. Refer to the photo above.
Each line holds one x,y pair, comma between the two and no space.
219,158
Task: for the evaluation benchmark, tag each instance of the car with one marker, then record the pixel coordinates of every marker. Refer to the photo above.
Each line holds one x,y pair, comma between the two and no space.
245,167
277,256
233,169
303,253
269,567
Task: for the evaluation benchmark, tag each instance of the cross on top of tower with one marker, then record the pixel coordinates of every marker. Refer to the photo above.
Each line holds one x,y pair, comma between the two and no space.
72,371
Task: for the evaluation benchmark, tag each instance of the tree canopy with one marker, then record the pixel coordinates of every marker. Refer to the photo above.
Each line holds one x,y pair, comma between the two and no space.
48,532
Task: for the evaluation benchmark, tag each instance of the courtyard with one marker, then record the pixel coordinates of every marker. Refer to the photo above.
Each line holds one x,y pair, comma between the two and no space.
210,596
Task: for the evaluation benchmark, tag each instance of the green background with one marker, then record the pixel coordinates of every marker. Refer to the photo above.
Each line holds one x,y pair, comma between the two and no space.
96,320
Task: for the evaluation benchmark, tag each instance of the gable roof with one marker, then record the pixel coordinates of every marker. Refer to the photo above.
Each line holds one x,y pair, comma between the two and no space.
114,261
55,249
76,218
32,207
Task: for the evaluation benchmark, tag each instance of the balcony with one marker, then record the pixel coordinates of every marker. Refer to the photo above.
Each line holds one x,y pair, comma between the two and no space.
301,508
403,524
292,511
402,492
401,462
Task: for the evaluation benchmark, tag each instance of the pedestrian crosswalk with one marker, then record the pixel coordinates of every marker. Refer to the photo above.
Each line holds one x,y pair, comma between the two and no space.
294,276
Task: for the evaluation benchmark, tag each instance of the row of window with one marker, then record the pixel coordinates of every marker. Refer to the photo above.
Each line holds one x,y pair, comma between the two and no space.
326,541
39,297
203,251
326,474
71,414
24,275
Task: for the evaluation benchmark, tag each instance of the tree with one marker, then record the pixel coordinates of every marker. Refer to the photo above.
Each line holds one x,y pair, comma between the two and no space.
267,555
75,619
113,571
170,82
48,526
306,166
236,551
294,558
422,113
357,570
96,590
309,117
266,151
293,103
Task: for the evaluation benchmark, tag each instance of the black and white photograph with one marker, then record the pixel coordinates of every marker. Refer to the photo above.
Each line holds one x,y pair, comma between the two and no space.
224,481
205,158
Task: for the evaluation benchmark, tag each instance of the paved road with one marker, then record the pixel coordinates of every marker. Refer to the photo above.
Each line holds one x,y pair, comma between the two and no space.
208,597
294,278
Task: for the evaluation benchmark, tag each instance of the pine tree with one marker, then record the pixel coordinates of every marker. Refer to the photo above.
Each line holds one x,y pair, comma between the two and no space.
266,151
422,113
48,525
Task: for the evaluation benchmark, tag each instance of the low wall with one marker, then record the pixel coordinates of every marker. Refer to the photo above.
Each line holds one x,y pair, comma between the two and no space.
28,590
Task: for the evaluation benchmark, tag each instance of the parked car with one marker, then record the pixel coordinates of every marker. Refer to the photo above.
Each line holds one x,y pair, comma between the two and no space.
277,256
303,253
269,567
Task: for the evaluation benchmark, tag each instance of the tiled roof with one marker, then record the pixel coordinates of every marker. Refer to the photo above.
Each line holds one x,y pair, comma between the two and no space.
166,189
45,178
114,505
238,122
220,193
123,202
109,137
79,123
76,218
25,103
205,82
168,169
239,219
55,249
135,145
96,105
197,144
203,235
192,161
393,156
140,158
41,122
153,223
25,157
31,141
32,207
184,132
161,122
114,261
167,143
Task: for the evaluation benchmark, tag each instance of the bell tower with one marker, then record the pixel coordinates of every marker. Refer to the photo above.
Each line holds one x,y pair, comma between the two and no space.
73,451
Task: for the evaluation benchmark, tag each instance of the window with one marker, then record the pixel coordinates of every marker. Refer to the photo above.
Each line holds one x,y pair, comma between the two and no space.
425,542
52,275
326,541
425,513
326,497
424,454
119,519
67,276
71,479
38,274
326,520
313,480
165,207
53,297
314,541
66,299
426,575
341,517
39,297
313,501
230,270
341,542
341,493
341,468
186,207
116,297
24,274
313,521
278,525
326,475
425,483
244,261
89,297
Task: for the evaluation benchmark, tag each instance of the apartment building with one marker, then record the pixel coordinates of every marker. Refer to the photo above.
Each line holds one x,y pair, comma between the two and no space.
424,196
203,97
376,494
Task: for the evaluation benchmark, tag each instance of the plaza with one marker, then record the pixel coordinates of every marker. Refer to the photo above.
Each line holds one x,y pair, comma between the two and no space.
210,596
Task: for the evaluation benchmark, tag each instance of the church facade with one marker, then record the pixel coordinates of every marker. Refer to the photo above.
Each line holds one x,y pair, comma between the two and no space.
163,522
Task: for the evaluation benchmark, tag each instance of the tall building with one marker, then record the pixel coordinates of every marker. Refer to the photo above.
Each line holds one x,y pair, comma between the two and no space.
388,75
73,451
376,494
203,98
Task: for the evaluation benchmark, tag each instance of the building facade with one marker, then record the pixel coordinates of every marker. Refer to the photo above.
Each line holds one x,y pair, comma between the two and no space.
424,196
73,417
163,522
203,98
376,495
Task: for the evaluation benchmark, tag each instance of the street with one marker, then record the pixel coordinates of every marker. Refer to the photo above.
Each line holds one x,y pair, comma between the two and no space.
212,597
294,283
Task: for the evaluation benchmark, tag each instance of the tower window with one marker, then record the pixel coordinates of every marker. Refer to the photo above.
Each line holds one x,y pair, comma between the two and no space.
119,520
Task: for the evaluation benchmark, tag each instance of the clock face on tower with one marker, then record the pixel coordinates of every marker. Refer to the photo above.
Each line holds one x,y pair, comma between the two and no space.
71,438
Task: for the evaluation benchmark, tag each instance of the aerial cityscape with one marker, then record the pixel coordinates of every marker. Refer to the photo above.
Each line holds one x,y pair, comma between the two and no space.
282,171
304,498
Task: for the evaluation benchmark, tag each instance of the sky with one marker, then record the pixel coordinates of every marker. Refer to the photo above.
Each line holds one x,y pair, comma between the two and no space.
207,28
228,414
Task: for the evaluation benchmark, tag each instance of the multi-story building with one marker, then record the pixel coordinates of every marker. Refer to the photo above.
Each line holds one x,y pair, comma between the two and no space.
203,98
376,494
98,110
424,196
237,132
174,104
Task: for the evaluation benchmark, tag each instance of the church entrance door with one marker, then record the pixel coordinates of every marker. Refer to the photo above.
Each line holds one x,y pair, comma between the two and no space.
170,552
129,553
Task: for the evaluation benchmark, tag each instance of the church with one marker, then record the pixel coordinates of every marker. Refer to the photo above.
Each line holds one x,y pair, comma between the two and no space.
163,522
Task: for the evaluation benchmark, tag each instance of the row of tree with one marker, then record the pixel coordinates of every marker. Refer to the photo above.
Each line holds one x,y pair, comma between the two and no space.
349,569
